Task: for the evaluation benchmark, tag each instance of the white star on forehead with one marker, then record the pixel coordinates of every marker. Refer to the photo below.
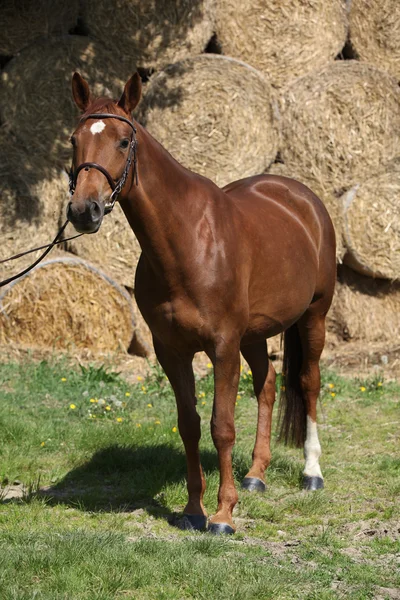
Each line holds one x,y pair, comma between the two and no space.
97,127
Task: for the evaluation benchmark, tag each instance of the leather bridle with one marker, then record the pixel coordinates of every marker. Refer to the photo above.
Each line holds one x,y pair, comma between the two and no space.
116,187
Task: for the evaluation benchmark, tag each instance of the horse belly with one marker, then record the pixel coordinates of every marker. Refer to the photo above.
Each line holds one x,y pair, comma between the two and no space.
278,299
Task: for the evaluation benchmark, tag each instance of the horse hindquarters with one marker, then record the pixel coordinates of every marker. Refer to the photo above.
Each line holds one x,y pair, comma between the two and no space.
303,345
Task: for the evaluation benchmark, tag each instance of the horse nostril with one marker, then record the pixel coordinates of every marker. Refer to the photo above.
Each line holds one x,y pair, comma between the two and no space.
95,210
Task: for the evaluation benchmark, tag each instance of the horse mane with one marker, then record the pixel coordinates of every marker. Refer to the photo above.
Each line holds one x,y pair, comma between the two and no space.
101,105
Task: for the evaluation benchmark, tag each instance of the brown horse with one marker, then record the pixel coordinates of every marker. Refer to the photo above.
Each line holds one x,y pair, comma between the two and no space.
221,271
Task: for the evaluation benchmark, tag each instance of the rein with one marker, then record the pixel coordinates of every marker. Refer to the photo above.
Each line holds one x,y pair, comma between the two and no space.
116,188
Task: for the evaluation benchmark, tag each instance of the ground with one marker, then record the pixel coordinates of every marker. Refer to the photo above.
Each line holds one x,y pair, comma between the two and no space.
92,478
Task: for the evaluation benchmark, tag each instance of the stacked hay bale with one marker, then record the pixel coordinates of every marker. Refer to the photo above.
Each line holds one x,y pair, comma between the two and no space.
156,32
371,225
215,115
66,303
339,126
365,309
282,39
375,33
25,21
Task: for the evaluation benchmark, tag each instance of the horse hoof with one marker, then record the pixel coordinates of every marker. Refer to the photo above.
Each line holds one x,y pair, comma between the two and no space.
220,528
194,522
312,483
253,484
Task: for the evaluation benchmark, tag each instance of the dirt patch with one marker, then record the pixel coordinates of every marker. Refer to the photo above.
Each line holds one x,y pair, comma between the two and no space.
372,529
383,593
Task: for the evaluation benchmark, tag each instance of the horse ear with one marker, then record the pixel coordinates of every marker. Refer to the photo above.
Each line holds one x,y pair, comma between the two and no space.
131,94
80,91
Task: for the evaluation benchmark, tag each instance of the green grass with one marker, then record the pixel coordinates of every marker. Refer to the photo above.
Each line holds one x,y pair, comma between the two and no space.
104,480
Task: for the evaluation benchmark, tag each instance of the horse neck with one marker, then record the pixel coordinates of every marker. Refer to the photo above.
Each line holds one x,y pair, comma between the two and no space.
163,208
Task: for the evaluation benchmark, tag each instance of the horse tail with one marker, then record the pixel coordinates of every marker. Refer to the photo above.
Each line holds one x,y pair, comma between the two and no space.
292,417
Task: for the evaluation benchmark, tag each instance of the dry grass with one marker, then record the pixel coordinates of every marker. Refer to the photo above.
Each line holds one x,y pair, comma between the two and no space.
375,33
36,99
156,32
23,22
215,115
283,39
371,225
66,303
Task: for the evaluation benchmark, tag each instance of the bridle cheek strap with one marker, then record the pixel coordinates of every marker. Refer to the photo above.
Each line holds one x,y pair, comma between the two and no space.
115,187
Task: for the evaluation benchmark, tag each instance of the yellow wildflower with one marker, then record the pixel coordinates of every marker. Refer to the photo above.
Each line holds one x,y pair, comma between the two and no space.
157,422
249,372
331,386
209,365
108,407
138,425
202,395
241,368
380,383
174,430
93,400
245,376
72,406
149,405
333,394
119,419
239,397
362,388
144,389
42,444
63,379
127,394
139,378
203,403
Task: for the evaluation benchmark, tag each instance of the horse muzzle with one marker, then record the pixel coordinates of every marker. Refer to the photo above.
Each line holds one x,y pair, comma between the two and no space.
86,216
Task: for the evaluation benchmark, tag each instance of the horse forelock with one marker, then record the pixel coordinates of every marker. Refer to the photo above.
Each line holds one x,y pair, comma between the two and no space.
101,105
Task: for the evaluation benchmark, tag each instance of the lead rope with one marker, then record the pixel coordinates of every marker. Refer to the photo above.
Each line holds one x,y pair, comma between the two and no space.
41,257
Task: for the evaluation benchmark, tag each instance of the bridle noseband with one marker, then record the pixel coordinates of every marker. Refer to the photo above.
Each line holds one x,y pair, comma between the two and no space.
116,187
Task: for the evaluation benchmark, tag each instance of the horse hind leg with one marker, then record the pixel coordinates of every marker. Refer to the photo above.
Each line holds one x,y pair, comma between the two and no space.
312,334
264,377
304,342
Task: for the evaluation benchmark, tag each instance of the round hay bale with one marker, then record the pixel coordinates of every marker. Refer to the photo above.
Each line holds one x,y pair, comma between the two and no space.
283,39
215,115
115,249
31,199
375,33
371,225
66,303
156,32
45,119
365,309
326,195
339,126
24,21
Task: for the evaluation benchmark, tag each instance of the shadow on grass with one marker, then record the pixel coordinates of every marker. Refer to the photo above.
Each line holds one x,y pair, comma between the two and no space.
125,479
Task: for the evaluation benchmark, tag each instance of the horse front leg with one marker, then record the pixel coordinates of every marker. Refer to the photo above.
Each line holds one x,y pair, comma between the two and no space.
179,371
226,379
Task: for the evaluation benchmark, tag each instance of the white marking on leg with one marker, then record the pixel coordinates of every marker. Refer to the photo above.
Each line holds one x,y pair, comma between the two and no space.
312,450
97,127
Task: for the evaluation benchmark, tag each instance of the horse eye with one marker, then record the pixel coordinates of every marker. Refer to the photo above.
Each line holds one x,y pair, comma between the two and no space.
124,143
